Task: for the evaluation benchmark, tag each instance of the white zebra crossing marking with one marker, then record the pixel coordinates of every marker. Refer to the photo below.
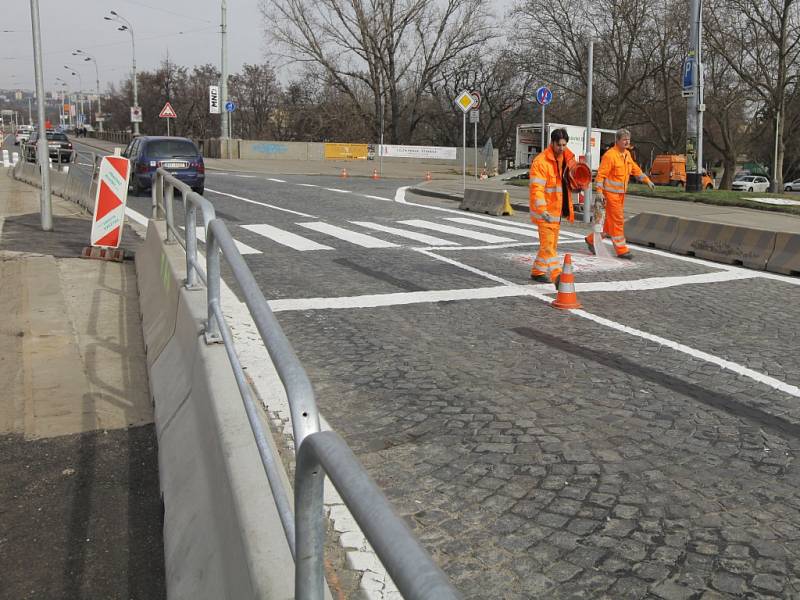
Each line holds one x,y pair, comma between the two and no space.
285,238
359,239
200,233
458,231
412,235
518,229
294,212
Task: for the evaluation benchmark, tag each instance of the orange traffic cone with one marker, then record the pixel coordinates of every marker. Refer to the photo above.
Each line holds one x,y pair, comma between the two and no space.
375,174
343,174
428,176
566,297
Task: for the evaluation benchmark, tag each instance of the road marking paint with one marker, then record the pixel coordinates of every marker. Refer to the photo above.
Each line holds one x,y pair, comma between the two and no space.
285,238
338,190
377,198
245,176
243,248
659,283
398,299
457,231
307,185
294,212
466,267
276,180
492,247
699,354
518,229
412,235
136,216
359,239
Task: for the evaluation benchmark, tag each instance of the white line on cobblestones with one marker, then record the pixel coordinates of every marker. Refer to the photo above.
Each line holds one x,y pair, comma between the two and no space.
721,362
294,212
658,283
276,180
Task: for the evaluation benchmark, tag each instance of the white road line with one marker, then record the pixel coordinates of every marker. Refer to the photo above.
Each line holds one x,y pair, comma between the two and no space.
699,354
276,180
401,298
359,239
285,238
466,267
519,230
338,190
378,198
659,283
243,248
136,216
246,176
457,231
412,235
492,247
307,185
294,212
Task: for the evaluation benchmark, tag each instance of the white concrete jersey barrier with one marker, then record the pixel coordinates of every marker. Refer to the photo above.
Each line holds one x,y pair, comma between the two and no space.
222,532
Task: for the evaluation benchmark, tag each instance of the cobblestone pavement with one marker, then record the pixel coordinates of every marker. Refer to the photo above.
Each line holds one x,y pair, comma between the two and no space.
538,453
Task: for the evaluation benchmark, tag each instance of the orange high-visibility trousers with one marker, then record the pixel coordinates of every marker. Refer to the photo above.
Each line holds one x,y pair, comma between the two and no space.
614,224
546,261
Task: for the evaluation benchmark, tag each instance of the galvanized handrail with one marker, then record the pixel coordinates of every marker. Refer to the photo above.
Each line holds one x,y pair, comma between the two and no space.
414,572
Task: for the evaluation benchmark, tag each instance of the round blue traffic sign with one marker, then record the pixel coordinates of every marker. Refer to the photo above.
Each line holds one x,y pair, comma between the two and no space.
544,96
230,106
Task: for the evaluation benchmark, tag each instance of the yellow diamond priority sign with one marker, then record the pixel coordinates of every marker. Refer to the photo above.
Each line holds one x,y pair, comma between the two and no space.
465,101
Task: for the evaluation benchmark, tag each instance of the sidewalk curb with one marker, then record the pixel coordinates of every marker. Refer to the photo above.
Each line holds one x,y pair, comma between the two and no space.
424,191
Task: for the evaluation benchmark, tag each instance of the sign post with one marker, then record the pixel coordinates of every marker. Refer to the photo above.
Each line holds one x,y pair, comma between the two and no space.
465,102
230,106
168,113
109,202
474,117
544,97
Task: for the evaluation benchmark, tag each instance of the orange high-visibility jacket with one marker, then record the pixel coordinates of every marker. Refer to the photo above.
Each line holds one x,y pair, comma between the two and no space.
547,186
615,170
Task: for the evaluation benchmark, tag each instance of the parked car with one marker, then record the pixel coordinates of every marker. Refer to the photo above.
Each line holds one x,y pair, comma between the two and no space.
60,147
751,183
792,186
22,134
177,155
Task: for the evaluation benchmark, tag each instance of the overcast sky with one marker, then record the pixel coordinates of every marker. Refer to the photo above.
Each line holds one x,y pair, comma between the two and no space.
187,29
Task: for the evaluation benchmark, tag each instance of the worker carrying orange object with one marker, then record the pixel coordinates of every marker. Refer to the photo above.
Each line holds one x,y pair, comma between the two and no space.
611,183
549,196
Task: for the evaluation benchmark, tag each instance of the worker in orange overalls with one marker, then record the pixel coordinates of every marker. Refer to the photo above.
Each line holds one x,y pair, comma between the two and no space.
616,167
549,195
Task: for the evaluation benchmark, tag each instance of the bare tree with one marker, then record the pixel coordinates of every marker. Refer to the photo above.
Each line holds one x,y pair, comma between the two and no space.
760,41
381,54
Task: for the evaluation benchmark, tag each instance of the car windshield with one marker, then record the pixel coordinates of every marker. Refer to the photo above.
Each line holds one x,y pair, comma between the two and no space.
170,148
747,179
58,137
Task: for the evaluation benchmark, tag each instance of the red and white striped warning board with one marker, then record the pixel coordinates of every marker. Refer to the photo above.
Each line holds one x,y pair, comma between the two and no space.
109,203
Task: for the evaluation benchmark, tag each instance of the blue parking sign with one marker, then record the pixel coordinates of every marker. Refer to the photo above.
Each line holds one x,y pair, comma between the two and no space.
688,73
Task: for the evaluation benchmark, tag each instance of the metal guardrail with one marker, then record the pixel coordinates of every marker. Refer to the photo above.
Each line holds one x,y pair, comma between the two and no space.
318,453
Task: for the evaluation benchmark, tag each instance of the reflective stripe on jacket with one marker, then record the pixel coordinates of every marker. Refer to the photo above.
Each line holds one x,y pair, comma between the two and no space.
548,186
615,170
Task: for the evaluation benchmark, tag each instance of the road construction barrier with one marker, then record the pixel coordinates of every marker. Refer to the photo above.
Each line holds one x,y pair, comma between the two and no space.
491,202
786,256
724,243
651,229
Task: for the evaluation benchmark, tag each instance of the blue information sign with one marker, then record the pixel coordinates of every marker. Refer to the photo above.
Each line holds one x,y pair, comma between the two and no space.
688,73
544,96
230,106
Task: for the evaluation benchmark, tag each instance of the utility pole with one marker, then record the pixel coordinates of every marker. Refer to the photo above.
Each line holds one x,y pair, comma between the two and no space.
30,113
41,144
223,84
587,195
693,86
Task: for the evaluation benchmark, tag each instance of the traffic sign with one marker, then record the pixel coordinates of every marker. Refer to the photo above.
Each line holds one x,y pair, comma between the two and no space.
213,99
688,73
465,101
477,97
230,106
168,112
544,96
109,202
136,114
474,116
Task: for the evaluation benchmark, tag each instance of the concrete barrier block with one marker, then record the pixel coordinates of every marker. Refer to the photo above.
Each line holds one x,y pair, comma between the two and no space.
160,270
786,256
652,229
724,243
485,201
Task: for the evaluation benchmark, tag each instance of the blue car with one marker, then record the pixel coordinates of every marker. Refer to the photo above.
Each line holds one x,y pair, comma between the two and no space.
177,155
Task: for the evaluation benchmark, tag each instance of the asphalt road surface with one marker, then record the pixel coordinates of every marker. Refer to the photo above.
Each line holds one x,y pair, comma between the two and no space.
642,447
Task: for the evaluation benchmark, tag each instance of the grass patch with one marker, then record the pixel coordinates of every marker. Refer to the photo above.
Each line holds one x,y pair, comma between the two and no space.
715,197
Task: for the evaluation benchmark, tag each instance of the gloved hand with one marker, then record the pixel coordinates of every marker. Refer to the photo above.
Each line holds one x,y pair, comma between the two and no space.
651,185
548,218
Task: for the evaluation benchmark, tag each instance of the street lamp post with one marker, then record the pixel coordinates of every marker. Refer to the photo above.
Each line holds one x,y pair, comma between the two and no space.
81,118
89,57
41,145
63,117
126,26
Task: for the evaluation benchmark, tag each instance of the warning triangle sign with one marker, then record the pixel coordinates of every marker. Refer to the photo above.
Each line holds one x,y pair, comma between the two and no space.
168,112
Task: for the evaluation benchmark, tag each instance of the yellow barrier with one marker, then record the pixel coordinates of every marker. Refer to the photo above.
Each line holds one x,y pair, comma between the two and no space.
345,151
